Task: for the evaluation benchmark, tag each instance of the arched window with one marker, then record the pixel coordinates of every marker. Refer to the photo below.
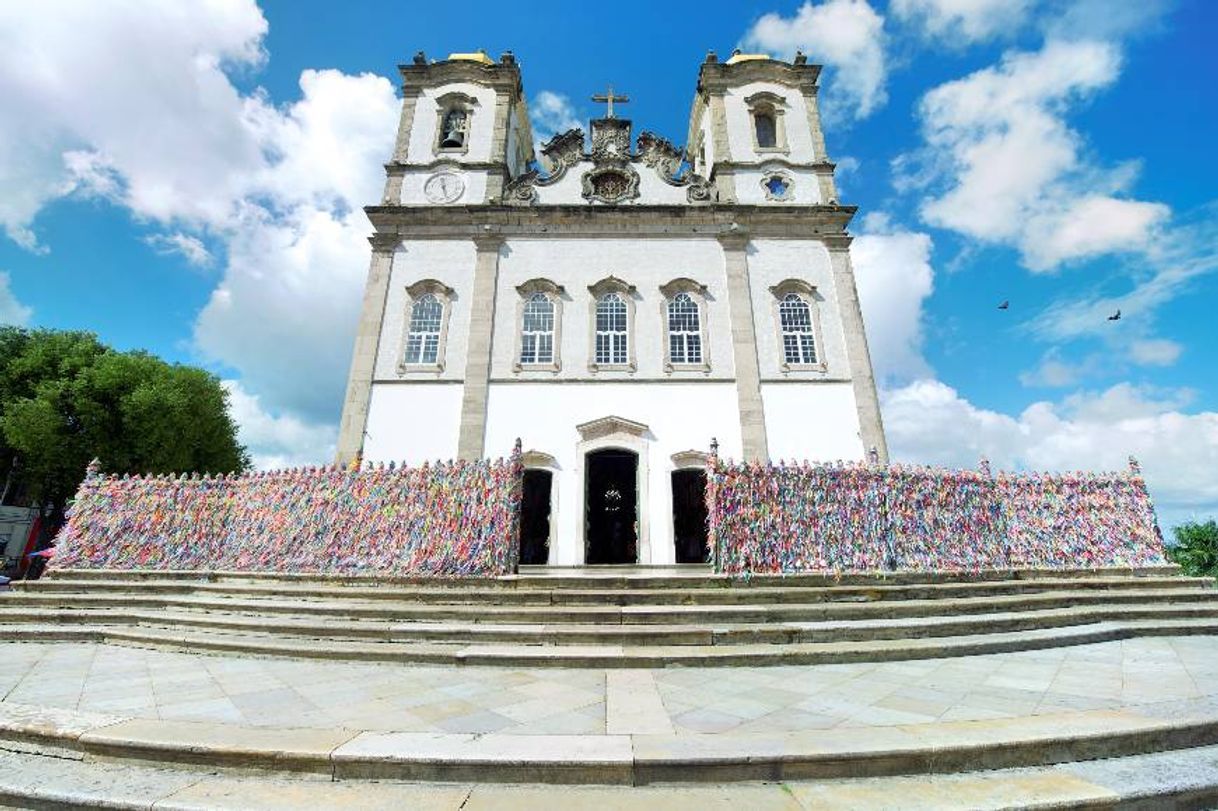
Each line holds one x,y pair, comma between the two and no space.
612,342
684,330
767,130
537,330
798,343
453,129
423,339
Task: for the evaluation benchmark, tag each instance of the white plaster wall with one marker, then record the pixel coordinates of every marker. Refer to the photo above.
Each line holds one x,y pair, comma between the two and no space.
652,189
813,421
413,423
414,179
645,263
680,416
772,261
426,120
449,261
805,190
740,123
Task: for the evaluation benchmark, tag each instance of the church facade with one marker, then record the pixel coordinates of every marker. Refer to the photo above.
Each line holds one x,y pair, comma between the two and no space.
614,301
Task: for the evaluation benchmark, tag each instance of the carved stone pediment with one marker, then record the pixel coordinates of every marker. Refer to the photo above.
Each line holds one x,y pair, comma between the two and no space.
660,154
611,184
689,459
610,426
562,152
536,459
610,140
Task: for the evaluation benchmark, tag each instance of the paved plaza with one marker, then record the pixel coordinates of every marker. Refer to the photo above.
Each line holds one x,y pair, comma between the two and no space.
418,698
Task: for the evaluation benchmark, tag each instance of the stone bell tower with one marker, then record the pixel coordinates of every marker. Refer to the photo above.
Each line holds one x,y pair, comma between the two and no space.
463,134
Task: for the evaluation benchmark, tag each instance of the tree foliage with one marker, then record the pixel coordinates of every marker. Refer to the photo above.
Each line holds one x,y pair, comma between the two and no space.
66,398
1196,548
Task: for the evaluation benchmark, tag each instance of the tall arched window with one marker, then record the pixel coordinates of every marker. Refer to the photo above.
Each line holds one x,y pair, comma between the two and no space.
612,341
423,339
684,330
767,131
537,330
798,342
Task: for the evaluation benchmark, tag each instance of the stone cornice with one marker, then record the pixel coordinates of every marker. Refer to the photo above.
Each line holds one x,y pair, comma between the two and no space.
501,76
716,77
626,222
818,166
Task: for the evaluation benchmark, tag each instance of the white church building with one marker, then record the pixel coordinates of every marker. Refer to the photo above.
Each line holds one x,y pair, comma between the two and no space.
615,301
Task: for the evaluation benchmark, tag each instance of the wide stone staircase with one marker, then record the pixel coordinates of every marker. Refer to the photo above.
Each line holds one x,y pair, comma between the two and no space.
610,617
1155,747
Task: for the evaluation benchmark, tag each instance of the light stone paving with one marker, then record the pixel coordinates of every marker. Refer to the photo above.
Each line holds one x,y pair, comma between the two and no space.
415,698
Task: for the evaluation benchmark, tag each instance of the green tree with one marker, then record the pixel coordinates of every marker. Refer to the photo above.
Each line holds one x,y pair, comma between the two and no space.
1196,548
66,398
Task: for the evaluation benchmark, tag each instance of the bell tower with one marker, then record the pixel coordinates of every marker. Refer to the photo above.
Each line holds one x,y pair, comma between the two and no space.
755,130
463,134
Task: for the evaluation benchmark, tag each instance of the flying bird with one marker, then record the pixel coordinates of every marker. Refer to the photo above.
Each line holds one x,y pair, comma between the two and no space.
1115,316
1006,305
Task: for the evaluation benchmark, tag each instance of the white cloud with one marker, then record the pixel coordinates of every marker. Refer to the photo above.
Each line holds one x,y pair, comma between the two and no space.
551,114
1155,352
12,311
169,136
137,90
1003,167
190,248
929,421
963,21
894,277
845,35
277,441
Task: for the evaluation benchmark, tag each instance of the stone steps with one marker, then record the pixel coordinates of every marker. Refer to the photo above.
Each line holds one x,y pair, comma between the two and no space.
621,759
544,593
59,779
654,654
567,618
304,626
649,614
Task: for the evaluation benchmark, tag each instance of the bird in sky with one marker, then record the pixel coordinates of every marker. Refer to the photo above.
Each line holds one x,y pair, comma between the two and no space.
1006,305
1115,316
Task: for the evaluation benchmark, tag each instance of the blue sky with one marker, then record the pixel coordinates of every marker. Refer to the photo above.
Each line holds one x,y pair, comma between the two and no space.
187,179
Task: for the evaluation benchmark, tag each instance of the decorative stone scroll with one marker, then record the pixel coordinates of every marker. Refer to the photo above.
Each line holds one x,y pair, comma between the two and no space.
667,160
562,152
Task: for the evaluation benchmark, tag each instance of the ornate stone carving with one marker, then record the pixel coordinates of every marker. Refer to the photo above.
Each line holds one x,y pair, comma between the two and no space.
610,140
668,161
611,184
609,426
661,155
561,152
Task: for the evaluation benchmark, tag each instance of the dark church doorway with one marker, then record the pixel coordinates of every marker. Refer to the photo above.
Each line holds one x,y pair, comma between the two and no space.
611,510
535,517
689,515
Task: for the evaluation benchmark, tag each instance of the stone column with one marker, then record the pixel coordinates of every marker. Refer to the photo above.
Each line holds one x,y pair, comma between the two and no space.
394,171
744,346
871,425
367,343
496,178
725,183
824,179
472,441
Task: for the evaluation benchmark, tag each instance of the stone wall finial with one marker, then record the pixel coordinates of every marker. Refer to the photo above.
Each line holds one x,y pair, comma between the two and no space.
93,468
1135,467
985,468
873,455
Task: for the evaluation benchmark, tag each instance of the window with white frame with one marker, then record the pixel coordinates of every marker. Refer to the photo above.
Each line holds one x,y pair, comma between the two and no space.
612,330
423,339
537,331
684,330
798,335
427,307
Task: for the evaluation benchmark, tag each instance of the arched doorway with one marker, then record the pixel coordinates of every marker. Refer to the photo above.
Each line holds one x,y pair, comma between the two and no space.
611,506
535,517
689,515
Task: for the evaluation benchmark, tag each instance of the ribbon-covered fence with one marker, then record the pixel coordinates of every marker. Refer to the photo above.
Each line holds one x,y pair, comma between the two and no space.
447,519
849,517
